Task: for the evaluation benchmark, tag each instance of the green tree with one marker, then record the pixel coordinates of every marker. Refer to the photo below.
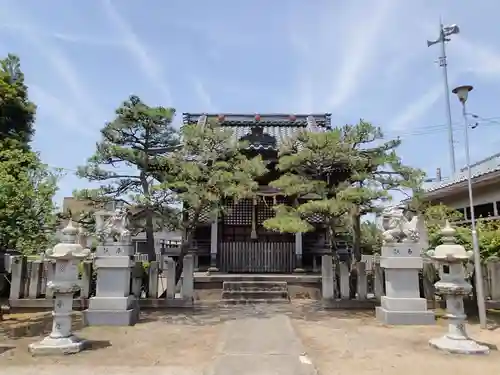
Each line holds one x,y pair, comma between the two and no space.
204,174
371,238
17,113
488,231
350,169
27,212
84,219
435,217
376,170
313,164
124,160
27,217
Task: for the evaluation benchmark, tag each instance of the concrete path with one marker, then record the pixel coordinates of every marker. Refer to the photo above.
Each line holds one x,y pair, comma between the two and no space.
265,346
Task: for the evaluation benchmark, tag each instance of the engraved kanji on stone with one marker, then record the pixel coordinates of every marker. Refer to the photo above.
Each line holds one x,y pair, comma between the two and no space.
118,250
395,251
59,304
58,326
106,250
410,251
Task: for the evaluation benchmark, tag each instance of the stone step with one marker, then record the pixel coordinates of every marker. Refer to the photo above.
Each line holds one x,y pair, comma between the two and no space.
255,285
254,295
253,301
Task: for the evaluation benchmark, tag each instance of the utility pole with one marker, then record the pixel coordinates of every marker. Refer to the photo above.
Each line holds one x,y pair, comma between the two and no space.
444,33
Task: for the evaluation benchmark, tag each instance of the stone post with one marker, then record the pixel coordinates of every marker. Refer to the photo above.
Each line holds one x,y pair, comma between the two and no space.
214,244
402,262
453,287
327,277
114,303
298,253
64,284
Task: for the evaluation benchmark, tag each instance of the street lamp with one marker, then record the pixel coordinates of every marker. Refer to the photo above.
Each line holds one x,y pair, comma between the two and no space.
444,33
462,93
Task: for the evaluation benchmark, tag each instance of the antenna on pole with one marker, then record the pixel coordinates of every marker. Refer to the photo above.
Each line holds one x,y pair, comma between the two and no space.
444,33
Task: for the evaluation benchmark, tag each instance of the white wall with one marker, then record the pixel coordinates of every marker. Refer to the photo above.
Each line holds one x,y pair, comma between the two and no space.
481,195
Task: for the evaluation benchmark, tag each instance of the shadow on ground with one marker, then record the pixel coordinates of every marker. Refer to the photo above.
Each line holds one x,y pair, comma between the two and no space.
97,344
6,348
210,315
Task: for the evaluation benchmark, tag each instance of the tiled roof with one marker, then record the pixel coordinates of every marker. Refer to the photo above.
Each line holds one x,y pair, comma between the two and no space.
479,169
263,132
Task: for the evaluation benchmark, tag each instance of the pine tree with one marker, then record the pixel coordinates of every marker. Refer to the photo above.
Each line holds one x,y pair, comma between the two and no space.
349,170
124,160
207,171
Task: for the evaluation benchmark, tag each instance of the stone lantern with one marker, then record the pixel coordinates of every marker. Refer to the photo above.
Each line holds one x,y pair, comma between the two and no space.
453,286
64,284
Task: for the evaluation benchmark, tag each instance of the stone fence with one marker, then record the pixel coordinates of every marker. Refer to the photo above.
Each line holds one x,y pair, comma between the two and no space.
153,283
366,285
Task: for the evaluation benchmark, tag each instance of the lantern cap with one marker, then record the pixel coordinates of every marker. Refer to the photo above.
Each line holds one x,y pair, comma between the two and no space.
449,251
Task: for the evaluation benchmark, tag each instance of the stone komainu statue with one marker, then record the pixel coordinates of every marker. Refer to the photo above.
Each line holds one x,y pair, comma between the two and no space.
400,225
117,226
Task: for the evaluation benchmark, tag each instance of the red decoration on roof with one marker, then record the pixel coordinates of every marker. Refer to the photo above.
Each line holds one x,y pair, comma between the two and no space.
292,118
221,118
257,117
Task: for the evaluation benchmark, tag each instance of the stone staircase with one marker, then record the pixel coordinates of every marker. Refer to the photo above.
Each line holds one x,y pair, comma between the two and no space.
243,292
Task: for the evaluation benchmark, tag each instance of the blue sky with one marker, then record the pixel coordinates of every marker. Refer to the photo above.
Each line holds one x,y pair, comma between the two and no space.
355,59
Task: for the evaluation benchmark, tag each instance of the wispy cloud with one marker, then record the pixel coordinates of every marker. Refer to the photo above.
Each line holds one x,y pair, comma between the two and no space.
362,44
477,57
203,95
84,39
417,108
149,66
81,99
50,105
61,36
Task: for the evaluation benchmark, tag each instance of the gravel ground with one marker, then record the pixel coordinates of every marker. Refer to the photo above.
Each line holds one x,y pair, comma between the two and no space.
336,342
150,343
341,345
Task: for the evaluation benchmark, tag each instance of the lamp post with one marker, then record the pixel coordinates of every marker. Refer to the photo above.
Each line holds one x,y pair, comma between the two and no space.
444,33
462,93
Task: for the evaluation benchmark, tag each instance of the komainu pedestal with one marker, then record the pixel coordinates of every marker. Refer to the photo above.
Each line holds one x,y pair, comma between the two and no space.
401,260
113,304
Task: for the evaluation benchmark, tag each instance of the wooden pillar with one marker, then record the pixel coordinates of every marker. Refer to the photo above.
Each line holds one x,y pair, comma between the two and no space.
298,252
214,242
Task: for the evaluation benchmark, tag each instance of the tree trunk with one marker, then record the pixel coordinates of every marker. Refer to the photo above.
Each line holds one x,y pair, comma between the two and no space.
149,228
150,233
356,229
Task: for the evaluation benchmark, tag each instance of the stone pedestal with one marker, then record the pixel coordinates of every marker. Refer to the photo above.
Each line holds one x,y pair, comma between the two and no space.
454,287
402,304
113,304
63,285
